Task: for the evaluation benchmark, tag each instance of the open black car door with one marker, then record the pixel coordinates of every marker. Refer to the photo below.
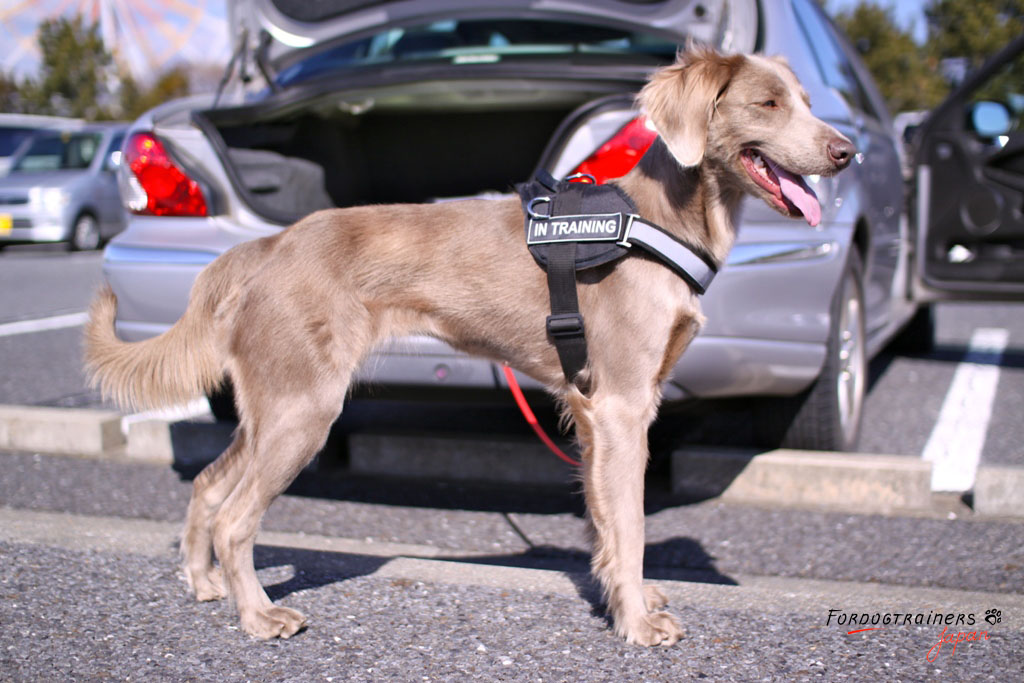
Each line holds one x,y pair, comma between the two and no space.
969,205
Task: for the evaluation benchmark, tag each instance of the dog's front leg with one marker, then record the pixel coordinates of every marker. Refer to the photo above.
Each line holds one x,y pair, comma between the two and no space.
613,432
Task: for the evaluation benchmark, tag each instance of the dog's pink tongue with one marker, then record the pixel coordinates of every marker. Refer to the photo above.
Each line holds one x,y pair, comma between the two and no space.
796,190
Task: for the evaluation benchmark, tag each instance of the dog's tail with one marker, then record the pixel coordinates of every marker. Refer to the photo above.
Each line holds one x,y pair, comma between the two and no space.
181,364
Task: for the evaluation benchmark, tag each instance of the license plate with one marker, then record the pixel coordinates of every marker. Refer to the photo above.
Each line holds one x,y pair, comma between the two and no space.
5,223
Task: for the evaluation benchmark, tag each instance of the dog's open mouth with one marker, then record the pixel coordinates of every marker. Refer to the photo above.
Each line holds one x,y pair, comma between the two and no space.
789,192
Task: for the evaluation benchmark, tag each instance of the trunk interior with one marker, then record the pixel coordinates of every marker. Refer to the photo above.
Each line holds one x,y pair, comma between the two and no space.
387,147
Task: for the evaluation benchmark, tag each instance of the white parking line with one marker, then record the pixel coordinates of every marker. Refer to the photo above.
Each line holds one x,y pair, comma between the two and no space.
56,322
955,444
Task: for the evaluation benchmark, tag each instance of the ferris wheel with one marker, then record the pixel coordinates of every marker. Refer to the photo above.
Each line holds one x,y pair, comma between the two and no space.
144,36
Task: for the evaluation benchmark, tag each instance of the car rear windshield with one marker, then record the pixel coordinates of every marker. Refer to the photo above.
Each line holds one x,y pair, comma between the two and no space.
479,41
59,152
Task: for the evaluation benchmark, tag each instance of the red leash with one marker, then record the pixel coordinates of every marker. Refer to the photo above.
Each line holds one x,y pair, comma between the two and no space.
531,419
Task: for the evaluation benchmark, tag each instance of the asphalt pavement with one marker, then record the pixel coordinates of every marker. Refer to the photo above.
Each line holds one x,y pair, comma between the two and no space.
459,584
40,283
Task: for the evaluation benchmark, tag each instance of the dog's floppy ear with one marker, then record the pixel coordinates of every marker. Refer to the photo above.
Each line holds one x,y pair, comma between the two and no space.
680,100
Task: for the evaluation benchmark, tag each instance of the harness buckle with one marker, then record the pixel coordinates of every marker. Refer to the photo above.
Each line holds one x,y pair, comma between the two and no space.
624,242
565,325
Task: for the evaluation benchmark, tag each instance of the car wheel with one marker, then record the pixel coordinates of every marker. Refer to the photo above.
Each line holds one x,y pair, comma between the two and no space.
827,416
85,235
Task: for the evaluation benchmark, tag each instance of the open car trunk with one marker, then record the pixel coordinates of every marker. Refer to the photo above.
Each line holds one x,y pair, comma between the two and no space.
420,143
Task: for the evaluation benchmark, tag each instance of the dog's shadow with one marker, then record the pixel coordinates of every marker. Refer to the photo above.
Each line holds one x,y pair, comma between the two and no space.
677,559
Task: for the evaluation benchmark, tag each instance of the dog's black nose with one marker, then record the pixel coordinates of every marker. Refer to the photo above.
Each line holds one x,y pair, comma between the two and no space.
841,152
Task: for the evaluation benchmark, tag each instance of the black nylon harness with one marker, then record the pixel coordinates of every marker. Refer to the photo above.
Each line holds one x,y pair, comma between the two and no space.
589,225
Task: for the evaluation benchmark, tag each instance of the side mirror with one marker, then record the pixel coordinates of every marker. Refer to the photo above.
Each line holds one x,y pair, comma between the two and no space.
990,119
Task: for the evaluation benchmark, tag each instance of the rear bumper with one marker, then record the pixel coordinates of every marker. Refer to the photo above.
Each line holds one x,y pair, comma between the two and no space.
152,286
712,367
35,226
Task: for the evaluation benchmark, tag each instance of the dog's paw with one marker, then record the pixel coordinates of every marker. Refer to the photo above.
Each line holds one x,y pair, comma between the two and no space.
273,622
654,598
208,585
655,628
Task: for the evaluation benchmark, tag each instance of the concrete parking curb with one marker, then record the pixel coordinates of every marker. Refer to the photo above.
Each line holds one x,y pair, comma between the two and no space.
60,430
869,483
150,440
999,491
860,482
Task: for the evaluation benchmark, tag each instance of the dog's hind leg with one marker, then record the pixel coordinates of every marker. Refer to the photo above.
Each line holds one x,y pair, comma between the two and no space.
612,428
287,431
209,490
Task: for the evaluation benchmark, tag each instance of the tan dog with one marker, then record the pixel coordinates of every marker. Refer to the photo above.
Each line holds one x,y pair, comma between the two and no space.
290,317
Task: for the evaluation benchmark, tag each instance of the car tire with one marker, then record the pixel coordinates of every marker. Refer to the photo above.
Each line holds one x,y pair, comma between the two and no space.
85,234
918,335
827,416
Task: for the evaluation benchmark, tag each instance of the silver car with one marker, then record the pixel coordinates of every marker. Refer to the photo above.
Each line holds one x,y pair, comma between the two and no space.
15,129
373,102
62,187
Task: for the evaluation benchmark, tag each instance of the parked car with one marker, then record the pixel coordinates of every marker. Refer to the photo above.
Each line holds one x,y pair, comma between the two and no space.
62,187
379,102
15,129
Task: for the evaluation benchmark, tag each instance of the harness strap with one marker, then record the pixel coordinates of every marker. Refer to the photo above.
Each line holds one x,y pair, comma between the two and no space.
593,242
565,324
677,255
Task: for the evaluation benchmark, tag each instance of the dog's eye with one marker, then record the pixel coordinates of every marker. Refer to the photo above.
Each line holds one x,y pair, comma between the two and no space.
769,104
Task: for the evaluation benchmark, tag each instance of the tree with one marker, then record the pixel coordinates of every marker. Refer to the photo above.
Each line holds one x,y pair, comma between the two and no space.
79,78
904,73
74,73
973,30
135,100
10,94
968,33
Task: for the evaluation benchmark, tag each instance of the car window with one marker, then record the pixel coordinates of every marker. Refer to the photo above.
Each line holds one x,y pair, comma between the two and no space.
112,148
832,63
481,40
11,138
115,143
54,152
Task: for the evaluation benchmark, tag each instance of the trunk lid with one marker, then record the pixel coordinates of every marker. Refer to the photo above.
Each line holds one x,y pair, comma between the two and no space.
378,101
278,33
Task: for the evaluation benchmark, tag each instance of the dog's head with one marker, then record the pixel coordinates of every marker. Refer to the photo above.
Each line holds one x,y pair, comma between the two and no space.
748,115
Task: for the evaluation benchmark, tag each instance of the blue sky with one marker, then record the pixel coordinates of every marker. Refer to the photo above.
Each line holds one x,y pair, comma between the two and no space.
149,34
909,13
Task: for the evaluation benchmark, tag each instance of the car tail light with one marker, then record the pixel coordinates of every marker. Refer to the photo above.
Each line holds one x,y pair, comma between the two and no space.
157,186
617,157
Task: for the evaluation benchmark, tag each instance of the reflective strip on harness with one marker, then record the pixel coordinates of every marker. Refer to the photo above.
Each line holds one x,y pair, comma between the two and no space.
681,258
